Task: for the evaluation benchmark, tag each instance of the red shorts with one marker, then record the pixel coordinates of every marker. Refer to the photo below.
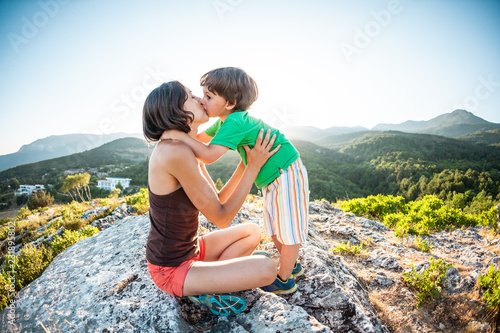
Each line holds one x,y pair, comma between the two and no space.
171,279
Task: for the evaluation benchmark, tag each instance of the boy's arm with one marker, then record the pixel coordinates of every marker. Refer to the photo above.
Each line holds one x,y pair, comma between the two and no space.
204,137
204,153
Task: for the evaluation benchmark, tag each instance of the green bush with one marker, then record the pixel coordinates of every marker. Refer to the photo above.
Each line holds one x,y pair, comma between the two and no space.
423,245
375,206
490,283
349,249
40,199
114,193
427,282
139,201
23,212
4,290
27,265
419,217
70,237
30,263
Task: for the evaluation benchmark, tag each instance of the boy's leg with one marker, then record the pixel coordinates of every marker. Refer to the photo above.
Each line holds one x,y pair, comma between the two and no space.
289,255
229,275
277,243
232,242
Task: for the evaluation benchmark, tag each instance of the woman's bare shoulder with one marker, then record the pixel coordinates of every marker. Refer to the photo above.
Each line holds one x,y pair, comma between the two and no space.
173,151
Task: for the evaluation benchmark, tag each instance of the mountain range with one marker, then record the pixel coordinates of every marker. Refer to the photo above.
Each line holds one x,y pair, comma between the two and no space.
57,146
452,125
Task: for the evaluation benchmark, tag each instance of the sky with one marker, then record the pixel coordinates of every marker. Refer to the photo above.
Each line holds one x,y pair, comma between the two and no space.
86,66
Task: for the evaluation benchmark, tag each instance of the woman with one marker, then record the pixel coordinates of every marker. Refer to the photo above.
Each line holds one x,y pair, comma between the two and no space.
180,262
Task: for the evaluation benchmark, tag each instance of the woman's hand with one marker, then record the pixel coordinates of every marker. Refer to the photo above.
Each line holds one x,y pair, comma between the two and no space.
260,153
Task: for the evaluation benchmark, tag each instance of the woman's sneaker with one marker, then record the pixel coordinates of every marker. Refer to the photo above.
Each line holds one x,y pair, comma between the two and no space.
261,253
221,305
281,287
297,270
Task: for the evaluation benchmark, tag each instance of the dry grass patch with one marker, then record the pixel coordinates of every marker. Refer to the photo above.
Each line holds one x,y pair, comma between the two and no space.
488,234
393,307
396,309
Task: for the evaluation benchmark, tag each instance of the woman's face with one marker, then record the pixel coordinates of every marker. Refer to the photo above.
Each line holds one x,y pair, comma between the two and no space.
193,104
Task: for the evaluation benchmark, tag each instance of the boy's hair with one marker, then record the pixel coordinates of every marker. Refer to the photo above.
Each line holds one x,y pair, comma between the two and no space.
164,110
234,84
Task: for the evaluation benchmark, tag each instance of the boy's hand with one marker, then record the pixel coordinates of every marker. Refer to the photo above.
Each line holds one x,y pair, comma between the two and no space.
260,153
172,135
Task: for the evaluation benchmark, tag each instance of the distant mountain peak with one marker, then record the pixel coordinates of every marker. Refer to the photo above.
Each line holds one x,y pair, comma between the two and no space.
458,117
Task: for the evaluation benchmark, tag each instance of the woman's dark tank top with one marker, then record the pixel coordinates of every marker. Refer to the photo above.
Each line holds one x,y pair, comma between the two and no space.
173,235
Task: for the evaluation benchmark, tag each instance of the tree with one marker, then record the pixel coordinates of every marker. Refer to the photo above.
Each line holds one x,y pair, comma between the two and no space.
114,193
14,183
219,184
77,185
22,199
119,186
40,199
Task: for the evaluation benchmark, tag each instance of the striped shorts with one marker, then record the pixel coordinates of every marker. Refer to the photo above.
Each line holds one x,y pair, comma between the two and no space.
286,202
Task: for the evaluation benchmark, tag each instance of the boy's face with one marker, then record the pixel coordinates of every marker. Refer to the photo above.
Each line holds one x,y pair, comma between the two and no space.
215,105
193,104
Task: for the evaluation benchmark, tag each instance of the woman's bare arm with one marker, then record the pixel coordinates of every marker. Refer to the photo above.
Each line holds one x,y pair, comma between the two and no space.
183,165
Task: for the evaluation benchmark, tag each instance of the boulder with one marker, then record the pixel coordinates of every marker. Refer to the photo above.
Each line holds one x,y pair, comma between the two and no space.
101,284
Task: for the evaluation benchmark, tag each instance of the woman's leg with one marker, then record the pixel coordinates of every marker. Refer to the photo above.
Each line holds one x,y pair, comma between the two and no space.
229,275
232,242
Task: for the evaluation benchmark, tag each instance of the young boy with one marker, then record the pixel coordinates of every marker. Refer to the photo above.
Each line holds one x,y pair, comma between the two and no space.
228,93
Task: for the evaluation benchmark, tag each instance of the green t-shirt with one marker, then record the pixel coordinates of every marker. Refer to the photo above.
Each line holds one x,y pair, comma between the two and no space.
239,129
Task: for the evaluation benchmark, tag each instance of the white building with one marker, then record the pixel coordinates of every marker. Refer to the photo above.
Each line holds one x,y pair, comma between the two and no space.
111,182
29,189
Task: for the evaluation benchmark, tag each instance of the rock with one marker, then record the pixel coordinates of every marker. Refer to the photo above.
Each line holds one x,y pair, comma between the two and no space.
272,313
372,224
382,259
384,281
102,284
99,282
451,279
118,213
94,211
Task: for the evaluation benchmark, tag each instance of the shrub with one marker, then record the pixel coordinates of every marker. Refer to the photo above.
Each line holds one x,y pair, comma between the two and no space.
27,265
423,245
491,296
114,193
40,199
139,201
22,199
75,224
375,206
23,212
4,290
418,217
70,237
349,249
427,282
30,262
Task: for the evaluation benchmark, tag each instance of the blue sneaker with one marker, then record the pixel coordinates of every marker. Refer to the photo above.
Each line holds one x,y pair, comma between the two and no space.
221,305
281,287
297,270
261,253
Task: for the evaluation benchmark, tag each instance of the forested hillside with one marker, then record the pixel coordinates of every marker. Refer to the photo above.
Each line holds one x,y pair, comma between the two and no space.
356,165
